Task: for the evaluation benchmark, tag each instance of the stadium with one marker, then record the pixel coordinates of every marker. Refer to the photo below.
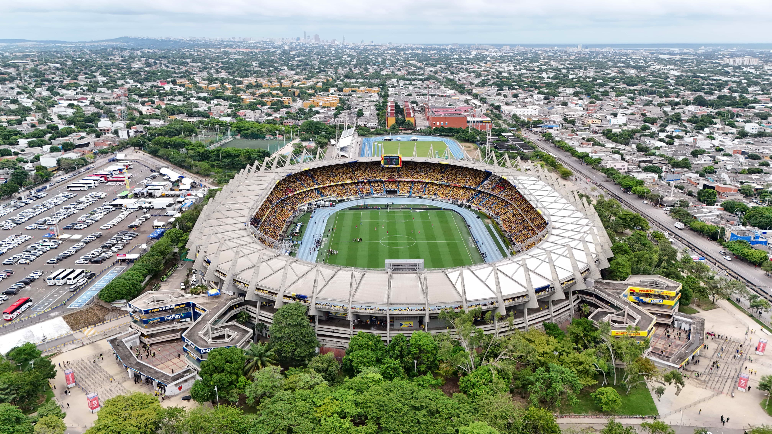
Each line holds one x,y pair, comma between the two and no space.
385,244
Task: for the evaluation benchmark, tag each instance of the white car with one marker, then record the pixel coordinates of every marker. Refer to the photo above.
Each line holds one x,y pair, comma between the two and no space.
81,262
728,258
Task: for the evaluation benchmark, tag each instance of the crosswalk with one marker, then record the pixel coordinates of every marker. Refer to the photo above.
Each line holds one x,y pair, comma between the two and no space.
90,331
48,300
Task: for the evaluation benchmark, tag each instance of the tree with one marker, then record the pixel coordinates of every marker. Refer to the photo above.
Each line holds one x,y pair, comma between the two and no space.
675,377
477,428
707,196
482,381
222,419
733,206
537,420
137,413
760,217
223,369
657,427
607,399
326,366
747,190
68,146
13,421
50,425
258,356
423,351
765,384
614,427
267,383
292,338
553,385
365,350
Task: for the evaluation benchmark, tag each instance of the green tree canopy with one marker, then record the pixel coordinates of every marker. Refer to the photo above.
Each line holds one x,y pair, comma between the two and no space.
293,340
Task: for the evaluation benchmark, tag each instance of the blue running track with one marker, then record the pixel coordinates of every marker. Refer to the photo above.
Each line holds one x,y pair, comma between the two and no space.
318,222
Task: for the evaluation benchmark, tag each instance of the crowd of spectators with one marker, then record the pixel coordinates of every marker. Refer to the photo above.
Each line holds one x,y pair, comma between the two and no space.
520,221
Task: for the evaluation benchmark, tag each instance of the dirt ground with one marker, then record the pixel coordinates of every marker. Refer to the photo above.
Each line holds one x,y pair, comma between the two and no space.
471,149
94,314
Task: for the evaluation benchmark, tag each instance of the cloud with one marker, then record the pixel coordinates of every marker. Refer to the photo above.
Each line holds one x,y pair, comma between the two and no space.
508,21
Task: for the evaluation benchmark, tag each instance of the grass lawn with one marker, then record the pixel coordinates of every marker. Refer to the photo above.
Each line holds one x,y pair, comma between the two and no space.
406,148
703,303
638,403
687,309
767,408
439,237
269,145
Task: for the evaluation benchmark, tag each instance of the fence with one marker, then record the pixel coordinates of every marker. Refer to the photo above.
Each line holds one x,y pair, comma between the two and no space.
118,328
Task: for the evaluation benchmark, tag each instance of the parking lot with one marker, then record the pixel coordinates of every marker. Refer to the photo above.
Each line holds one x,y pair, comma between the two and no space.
28,242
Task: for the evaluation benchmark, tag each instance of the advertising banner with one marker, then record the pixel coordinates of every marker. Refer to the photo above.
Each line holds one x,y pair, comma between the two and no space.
742,383
93,401
761,347
69,377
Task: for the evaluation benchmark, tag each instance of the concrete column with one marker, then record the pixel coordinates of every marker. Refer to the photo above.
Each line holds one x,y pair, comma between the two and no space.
579,280
600,249
558,294
594,272
532,302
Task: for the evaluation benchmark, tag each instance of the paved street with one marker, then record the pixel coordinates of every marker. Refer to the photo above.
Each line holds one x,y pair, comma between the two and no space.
707,248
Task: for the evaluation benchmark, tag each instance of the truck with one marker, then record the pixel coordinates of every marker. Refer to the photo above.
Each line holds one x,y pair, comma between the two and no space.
679,225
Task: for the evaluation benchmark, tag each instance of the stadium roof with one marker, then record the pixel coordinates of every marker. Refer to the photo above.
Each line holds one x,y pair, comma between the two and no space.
225,240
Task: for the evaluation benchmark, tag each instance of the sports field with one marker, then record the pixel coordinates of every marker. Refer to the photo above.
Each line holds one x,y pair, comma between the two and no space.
406,148
269,145
439,237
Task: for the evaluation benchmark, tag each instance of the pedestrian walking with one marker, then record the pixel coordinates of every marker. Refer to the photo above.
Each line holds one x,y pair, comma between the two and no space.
68,405
699,412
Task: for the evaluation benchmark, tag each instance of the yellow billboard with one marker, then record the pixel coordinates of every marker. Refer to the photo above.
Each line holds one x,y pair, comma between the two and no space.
651,291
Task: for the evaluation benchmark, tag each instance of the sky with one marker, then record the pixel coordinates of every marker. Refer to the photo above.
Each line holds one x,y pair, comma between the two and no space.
397,21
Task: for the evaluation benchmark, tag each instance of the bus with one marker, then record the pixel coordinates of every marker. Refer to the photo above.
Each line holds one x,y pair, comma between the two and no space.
116,179
103,175
79,186
95,179
17,308
61,279
75,276
51,280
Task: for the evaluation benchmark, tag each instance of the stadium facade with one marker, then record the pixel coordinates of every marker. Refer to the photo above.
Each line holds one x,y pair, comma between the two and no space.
535,284
245,270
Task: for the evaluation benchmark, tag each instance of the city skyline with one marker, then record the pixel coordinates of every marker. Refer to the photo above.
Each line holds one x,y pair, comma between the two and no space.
491,22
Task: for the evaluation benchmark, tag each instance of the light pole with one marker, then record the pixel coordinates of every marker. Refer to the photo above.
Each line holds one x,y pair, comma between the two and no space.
217,396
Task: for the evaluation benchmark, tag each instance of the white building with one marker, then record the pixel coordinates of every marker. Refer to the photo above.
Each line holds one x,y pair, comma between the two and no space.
752,128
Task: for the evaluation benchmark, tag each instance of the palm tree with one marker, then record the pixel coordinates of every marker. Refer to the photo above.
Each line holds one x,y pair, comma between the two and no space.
258,356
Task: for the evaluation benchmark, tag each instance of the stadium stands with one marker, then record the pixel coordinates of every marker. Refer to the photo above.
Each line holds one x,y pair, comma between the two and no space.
519,220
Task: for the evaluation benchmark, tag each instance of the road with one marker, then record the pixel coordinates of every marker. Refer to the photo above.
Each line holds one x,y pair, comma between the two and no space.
45,296
749,274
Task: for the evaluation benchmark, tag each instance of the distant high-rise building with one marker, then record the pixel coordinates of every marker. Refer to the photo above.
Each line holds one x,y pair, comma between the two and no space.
304,36
316,39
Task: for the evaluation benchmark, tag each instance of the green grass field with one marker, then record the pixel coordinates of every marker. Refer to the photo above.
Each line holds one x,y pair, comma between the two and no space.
439,237
269,145
406,148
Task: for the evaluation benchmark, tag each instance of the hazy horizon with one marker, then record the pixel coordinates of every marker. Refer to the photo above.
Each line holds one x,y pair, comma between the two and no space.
561,22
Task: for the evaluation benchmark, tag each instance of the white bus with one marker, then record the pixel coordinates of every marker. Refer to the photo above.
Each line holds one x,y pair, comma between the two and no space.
62,278
51,280
78,186
75,276
94,180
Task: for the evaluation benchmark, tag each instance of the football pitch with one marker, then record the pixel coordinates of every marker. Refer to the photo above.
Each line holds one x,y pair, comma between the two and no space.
439,237
406,148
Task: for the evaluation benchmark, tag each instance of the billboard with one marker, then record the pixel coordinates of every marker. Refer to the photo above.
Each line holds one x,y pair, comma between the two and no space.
93,401
761,347
742,383
69,378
